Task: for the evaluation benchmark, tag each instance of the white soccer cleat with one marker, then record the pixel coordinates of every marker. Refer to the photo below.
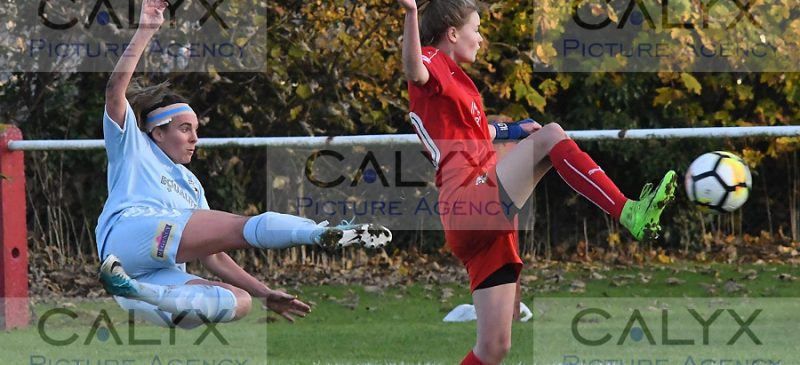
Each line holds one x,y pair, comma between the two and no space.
369,235
115,280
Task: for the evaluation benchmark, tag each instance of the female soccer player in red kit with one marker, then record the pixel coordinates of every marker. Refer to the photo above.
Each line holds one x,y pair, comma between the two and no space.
447,112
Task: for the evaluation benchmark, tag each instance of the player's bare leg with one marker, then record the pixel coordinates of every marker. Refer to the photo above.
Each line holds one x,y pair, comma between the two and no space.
494,307
210,231
524,166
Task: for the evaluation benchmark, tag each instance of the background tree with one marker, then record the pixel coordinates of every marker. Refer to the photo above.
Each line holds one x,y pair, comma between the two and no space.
333,68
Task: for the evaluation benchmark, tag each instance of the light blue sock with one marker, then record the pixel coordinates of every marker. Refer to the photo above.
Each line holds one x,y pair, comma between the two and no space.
198,302
274,230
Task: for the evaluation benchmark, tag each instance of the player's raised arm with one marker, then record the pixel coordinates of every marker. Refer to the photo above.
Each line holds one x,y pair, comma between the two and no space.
152,16
413,68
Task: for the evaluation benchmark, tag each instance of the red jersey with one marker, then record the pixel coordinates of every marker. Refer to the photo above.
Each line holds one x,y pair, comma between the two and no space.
447,113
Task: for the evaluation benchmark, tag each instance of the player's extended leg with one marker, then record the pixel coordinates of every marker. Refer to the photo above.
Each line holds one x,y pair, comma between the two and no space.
209,231
191,304
494,307
584,176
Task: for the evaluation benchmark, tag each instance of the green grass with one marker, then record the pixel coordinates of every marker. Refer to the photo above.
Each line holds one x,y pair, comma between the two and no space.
671,290
694,280
403,325
398,325
743,330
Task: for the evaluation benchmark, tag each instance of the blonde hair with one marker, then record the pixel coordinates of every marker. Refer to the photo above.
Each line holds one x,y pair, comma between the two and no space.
145,99
436,16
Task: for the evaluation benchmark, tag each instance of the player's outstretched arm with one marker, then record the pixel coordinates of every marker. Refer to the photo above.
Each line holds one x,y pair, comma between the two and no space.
223,266
413,68
151,18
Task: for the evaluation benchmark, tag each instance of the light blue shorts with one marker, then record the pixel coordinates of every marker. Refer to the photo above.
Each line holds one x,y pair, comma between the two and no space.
146,241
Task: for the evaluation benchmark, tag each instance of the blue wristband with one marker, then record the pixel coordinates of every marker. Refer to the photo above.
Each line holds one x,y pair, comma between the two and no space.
511,131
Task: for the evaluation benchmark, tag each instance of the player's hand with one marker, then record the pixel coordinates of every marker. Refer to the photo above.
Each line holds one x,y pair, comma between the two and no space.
152,14
529,125
286,305
409,5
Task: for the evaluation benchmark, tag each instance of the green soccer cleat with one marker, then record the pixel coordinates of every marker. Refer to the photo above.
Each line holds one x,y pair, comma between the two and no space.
641,217
369,235
115,280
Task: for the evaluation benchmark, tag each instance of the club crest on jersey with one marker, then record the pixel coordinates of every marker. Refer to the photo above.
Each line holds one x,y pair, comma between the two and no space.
476,113
482,179
194,187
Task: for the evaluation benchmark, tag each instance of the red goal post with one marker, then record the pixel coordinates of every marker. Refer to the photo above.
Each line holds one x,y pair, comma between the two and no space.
14,311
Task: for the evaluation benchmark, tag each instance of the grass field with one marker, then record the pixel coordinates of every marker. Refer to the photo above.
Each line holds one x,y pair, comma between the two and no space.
403,325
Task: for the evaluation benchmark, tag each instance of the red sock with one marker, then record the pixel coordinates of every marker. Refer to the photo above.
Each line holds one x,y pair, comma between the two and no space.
471,359
583,175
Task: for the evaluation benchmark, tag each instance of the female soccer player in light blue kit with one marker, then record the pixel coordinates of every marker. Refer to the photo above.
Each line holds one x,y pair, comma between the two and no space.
157,218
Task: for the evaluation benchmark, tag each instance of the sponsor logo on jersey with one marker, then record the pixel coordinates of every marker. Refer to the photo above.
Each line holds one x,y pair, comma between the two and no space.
476,113
162,242
173,187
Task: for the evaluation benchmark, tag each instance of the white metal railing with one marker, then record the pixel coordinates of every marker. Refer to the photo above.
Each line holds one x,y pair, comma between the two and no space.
611,134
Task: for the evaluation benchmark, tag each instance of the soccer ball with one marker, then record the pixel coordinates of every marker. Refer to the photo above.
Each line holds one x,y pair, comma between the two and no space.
718,182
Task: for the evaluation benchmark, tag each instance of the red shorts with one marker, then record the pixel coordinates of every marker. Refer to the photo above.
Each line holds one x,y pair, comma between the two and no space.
479,228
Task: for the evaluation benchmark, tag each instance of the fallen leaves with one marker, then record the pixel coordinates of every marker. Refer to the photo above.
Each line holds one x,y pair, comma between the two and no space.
350,301
750,274
52,274
577,286
732,287
594,275
765,248
674,281
663,258
446,293
528,279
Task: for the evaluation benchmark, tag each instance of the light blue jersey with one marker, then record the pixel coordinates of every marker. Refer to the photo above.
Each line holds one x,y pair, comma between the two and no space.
141,177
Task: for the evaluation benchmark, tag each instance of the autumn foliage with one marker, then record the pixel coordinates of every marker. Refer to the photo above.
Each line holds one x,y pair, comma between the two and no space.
333,68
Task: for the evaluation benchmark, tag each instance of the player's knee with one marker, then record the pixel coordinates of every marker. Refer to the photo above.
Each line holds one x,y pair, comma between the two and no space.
495,350
244,302
555,131
550,135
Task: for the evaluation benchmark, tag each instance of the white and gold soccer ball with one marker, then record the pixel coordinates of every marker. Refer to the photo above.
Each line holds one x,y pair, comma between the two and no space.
718,182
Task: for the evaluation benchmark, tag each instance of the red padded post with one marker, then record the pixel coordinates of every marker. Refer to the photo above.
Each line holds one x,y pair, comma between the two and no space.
14,312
